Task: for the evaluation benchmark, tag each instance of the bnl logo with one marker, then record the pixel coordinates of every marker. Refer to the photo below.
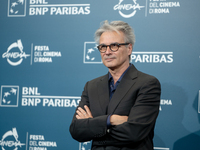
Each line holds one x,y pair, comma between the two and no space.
9,96
85,146
16,8
91,53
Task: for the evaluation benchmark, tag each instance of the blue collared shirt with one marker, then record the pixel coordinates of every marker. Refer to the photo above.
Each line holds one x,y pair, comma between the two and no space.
112,88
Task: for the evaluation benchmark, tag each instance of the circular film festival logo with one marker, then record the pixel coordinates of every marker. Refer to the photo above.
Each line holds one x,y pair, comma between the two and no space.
127,10
15,53
10,140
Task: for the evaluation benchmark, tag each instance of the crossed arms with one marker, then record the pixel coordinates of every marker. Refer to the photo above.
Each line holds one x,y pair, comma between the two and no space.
133,120
85,114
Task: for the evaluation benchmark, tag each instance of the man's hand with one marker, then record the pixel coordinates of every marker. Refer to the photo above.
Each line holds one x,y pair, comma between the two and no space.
82,114
117,119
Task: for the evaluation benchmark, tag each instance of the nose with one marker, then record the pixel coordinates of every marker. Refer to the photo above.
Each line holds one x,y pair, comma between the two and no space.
108,50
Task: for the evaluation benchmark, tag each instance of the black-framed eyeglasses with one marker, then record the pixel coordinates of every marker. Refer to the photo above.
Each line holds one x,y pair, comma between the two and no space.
113,47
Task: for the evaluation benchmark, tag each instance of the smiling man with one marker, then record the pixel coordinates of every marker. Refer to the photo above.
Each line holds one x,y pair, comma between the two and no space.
117,111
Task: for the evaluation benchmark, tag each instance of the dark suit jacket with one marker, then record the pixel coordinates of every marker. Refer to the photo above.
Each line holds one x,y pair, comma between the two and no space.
137,96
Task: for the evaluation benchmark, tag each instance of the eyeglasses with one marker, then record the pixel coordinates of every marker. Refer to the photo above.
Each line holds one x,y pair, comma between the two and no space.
113,47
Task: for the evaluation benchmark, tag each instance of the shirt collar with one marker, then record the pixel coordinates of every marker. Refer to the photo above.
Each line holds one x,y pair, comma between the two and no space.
111,78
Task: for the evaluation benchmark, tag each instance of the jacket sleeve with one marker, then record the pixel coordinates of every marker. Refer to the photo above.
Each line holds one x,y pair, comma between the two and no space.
87,129
141,119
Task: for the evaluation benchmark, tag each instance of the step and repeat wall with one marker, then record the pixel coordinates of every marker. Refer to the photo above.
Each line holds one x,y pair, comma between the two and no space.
48,53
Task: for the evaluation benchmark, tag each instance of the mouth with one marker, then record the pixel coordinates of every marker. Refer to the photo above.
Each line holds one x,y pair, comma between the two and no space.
109,59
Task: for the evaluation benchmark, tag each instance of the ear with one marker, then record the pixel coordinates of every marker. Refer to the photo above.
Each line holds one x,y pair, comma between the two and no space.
130,48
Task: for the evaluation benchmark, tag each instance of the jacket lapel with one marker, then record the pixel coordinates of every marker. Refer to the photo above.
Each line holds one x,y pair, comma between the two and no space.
103,93
126,83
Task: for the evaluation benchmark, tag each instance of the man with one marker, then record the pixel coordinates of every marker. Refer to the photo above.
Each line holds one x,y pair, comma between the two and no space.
117,111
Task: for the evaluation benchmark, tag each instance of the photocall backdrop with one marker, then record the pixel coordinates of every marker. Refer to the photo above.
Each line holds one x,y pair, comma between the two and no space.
48,53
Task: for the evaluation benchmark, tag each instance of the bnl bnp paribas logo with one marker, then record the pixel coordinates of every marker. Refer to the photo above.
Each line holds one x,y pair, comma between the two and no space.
16,8
15,53
32,98
9,96
92,55
128,8
10,140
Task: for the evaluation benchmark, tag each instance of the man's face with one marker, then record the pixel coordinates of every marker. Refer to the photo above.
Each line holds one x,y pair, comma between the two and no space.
118,59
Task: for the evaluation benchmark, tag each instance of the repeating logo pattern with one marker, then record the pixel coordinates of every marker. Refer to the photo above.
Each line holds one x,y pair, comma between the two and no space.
152,57
91,53
85,146
9,96
10,140
15,53
127,10
16,8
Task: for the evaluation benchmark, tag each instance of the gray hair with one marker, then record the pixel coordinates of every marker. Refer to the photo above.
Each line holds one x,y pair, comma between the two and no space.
116,26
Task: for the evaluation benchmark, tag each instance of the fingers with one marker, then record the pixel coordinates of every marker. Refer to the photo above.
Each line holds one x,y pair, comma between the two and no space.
88,111
81,111
82,114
